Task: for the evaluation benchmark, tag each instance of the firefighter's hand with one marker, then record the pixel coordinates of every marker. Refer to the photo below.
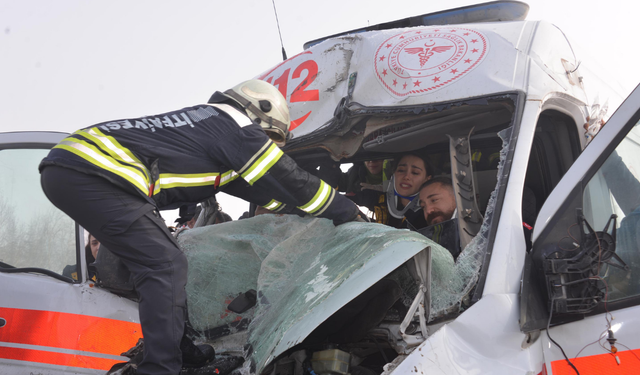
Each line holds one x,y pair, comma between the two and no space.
359,216
362,218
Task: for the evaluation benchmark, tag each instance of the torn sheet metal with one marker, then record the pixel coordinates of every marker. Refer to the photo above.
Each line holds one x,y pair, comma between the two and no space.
304,270
399,67
466,347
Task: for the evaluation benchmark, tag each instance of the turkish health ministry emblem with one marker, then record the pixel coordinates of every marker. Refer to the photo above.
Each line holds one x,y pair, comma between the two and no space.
423,60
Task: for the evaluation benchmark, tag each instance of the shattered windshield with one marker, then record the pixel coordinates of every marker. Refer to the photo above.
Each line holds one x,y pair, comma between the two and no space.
296,265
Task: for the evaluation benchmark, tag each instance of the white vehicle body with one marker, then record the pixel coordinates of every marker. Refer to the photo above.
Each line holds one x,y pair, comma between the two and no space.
51,325
349,102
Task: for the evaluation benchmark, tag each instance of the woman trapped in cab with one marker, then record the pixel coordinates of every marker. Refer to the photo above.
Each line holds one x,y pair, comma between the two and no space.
399,204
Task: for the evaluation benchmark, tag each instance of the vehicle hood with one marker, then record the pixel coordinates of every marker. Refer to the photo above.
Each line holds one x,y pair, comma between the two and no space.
304,270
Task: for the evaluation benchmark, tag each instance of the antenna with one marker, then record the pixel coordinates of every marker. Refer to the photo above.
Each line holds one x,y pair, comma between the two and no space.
284,53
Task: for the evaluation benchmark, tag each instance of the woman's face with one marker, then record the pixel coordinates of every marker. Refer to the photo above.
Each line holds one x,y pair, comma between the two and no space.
410,175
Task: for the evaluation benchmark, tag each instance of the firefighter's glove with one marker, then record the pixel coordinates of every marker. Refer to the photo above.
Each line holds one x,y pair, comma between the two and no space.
362,217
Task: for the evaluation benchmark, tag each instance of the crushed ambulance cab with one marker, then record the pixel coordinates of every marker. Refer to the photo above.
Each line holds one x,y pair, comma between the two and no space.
547,191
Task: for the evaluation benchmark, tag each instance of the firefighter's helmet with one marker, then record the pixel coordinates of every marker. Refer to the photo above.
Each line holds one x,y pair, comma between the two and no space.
265,105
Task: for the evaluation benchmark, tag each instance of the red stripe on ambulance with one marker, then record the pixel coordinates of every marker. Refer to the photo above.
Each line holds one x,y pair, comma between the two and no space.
101,336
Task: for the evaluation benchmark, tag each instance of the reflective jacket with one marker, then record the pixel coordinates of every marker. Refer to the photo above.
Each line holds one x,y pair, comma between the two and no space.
188,155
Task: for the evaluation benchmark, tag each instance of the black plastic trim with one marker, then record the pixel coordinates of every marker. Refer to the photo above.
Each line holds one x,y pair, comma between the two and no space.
494,11
357,110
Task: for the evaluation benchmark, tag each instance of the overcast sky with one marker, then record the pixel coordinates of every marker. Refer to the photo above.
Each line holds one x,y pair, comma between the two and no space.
67,64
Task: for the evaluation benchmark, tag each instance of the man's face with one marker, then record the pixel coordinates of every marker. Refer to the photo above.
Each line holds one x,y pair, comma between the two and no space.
437,202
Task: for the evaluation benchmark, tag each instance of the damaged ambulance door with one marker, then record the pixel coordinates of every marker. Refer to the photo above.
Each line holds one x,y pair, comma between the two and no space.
581,283
53,320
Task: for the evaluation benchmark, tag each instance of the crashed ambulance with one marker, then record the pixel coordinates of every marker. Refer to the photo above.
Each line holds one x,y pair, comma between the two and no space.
548,280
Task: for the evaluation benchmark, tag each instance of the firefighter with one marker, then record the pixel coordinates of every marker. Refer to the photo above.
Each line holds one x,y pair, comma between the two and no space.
113,177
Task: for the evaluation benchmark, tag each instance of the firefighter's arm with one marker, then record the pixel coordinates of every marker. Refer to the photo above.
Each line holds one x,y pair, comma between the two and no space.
311,194
274,202
265,167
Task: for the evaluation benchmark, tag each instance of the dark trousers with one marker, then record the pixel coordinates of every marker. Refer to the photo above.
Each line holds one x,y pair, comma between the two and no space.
132,229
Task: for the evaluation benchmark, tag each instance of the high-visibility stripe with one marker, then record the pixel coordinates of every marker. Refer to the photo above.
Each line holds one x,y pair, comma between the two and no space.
171,180
228,176
437,232
92,335
274,205
156,187
318,200
476,156
60,359
494,156
600,364
254,157
327,204
262,164
113,147
94,156
240,118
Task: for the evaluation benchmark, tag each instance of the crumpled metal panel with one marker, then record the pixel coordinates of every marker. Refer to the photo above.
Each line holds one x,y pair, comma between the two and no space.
409,66
304,270
485,339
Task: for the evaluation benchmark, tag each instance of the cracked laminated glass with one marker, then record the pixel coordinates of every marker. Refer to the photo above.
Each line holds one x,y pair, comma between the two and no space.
295,264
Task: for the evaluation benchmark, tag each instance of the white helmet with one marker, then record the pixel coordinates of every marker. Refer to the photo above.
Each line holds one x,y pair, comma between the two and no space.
265,105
